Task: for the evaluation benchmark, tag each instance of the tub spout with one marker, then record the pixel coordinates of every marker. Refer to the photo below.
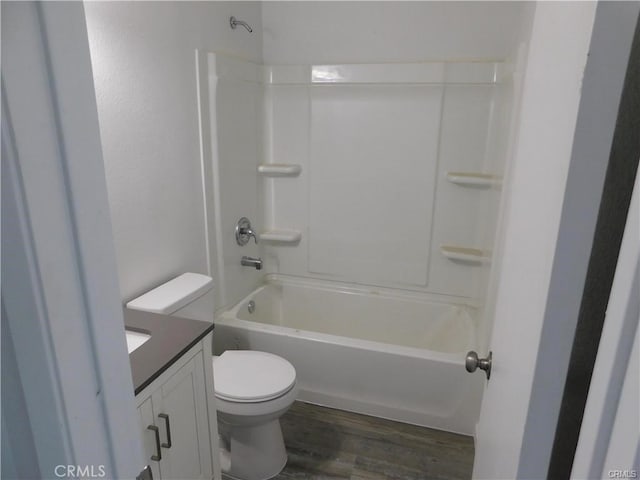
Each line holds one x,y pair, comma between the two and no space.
252,262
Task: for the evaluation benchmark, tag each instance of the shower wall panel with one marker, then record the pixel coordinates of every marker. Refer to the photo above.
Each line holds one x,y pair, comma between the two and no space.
458,216
236,97
375,143
369,149
373,155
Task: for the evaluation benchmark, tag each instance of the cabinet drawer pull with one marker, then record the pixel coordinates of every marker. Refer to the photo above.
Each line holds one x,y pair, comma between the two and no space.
166,422
156,430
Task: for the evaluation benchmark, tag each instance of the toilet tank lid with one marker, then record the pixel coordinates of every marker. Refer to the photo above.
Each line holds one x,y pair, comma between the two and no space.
173,295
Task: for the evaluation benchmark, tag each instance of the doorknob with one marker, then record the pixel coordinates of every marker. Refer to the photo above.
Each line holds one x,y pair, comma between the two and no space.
472,362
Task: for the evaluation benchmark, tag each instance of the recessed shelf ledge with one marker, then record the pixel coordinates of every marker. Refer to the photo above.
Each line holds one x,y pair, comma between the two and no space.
279,169
281,236
464,254
474,179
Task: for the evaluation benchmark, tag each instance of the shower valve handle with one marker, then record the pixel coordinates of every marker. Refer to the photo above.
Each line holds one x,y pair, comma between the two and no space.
472,363
244,232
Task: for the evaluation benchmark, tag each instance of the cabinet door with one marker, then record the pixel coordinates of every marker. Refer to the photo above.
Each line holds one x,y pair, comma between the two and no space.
145,413
180,408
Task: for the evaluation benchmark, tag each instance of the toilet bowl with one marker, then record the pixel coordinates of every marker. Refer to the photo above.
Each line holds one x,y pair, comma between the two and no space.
252,391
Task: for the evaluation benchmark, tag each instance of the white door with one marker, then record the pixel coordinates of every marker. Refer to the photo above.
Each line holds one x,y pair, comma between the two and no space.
60,298
550,210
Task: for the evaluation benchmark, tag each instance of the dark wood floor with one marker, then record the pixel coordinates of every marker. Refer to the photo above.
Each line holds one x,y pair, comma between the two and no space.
324,443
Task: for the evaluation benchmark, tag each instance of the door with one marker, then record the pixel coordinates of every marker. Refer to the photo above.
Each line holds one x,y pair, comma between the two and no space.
549,216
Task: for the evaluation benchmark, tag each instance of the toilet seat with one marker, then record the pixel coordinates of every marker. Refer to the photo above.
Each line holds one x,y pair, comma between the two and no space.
248,376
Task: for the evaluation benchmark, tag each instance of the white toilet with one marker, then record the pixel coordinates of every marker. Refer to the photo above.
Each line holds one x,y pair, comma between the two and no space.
252,389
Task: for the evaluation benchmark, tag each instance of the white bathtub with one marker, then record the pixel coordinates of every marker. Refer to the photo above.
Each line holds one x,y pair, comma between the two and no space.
371,351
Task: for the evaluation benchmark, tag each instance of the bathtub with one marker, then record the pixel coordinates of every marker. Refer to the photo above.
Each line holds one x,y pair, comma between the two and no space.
372,351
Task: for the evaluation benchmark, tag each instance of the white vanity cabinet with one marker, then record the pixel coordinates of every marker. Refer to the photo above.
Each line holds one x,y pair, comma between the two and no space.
178,419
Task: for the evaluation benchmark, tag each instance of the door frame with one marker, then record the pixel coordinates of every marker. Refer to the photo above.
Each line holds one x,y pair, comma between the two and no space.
61,309
609,438
616,210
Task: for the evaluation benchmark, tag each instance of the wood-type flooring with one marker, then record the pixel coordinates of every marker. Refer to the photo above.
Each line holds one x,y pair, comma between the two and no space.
324,443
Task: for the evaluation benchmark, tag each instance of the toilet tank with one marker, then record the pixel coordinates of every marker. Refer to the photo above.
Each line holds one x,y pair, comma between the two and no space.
190,296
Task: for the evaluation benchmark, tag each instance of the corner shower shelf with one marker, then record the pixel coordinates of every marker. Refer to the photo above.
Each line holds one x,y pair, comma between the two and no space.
474,179
281,236
464,254
279,169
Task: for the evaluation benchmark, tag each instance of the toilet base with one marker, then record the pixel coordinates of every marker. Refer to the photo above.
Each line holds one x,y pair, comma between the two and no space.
257,452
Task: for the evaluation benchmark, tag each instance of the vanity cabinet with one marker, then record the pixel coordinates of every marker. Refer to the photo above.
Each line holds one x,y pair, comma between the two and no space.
178,419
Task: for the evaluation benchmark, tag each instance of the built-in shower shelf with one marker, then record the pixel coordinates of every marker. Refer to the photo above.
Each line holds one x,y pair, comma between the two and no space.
464,254
279,169
281,236
474,179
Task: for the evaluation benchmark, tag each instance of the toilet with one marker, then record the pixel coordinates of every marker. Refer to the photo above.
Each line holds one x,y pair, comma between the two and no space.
252,389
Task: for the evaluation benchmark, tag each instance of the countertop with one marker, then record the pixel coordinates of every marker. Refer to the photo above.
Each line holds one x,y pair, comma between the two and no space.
170,338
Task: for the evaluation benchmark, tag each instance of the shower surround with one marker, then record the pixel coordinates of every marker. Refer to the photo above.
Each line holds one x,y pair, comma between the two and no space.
375,190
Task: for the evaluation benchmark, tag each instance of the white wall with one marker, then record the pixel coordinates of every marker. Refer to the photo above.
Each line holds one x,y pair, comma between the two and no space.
144,67
367,32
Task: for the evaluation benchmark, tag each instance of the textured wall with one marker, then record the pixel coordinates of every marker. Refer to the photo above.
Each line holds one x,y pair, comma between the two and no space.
363,32
144,68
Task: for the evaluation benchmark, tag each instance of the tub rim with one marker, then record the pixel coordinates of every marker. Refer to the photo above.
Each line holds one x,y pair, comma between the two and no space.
230,318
